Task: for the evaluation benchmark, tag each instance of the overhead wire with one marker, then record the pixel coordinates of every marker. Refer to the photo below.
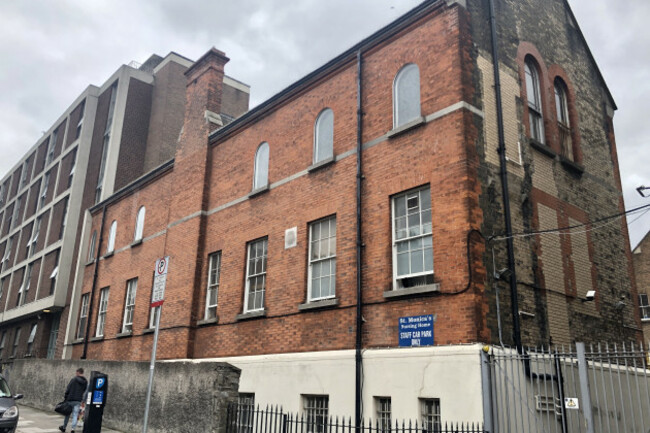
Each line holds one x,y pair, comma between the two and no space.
565,230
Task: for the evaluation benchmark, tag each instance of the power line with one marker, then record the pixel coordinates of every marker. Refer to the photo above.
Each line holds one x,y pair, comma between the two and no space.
562,229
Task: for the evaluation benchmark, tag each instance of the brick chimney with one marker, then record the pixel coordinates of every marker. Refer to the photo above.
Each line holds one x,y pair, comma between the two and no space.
189,191
202,101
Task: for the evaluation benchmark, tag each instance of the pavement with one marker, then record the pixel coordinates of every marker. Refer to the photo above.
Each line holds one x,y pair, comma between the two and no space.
37,421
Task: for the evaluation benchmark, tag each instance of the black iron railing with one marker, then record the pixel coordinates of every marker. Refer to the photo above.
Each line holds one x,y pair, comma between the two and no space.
248,419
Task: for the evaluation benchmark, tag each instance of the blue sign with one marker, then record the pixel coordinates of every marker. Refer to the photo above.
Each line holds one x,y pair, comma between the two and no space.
100,382
98,397
416,331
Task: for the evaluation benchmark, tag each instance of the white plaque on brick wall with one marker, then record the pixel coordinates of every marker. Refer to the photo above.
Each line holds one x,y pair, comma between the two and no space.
290,237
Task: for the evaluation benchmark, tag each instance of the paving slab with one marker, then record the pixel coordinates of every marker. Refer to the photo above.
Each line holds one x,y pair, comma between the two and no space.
37,421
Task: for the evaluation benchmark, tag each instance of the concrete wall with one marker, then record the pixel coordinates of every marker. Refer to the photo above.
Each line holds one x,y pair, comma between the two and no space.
186,397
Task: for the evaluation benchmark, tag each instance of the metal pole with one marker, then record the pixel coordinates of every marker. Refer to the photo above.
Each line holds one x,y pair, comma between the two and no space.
584,387
486,379
152,366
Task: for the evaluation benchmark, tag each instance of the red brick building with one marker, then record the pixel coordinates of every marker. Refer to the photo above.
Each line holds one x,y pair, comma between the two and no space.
369,192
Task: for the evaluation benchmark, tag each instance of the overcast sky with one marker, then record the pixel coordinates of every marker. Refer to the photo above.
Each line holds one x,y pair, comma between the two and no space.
51,51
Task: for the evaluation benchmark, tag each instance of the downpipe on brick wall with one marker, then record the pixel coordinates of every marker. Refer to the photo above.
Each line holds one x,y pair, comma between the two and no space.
92,290
358,406
514,301
516,331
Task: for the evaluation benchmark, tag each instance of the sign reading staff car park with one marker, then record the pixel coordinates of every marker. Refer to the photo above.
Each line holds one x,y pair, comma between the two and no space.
415,331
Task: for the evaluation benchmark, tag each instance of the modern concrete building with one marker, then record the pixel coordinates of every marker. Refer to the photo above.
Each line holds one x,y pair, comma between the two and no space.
109,136
351,242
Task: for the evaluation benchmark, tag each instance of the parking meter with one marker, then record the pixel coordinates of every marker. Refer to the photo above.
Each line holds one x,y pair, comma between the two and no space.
95,402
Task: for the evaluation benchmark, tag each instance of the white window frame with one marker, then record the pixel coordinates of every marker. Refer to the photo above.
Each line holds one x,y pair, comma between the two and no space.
399,84
324,143
24,286
427,274
383,408
83,315
3,341
644,307
51,145
431,420
139,224
101,312
91,247
250,276
112,233
35,233
129,305
14,350
7,254
16,217
261,178
212,292
44,187
64,217
536,106
330,258
30,340
72,168
23,175
246,412
316,412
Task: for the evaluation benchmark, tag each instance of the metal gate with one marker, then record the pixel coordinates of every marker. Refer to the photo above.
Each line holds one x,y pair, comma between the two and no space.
583,389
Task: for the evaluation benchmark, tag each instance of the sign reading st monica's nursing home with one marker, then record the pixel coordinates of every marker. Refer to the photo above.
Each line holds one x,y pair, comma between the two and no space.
416,331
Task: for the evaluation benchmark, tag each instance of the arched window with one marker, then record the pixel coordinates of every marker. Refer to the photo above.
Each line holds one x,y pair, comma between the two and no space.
324,136
563,122
534,95
111,237
261,177
139,225
406,95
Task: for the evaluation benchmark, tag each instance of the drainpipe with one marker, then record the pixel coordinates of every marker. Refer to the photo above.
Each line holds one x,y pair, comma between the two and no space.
358,359
92,290
516,331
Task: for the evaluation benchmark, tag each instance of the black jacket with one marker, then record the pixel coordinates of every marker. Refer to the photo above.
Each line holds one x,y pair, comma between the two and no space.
76,389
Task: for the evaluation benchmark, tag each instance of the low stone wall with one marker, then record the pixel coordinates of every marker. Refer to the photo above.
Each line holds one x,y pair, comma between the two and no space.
186,396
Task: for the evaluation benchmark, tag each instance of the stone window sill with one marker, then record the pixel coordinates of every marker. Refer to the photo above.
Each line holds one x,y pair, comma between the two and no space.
321,164
97,338
251,315
406,127
411,291
204,322
258,191
646,320
91,262
136,243
107,255
320,304
149,331
542,148
78,341
124,334
572,166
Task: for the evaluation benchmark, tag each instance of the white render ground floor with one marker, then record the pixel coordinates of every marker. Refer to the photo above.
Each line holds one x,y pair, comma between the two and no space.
402,381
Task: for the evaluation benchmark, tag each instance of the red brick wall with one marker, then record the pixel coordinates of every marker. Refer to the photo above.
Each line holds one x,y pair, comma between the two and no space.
438,154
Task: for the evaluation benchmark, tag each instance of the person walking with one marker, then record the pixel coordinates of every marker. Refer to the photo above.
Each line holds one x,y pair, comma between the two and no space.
74,395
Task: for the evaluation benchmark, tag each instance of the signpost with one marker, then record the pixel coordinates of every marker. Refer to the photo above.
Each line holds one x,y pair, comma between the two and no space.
157,299
416,331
